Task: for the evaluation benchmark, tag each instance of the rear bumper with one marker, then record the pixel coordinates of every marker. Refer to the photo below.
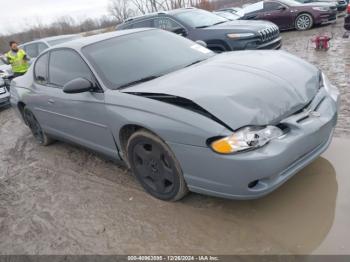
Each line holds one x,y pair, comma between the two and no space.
232,176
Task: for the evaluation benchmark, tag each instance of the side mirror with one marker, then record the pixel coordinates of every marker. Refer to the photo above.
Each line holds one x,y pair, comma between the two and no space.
78,85
281,8
202,43
180,31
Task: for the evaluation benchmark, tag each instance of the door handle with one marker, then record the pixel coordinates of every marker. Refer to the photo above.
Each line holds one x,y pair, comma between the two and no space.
51,101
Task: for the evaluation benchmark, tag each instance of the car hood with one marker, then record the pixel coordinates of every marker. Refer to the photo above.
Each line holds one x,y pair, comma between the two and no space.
243,25
242,88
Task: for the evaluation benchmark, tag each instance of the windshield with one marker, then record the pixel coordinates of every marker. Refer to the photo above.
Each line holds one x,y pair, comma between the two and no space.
200,18
253,7
63,40
142,56
290,2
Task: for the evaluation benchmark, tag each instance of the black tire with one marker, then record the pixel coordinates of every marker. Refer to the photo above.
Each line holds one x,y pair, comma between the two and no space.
155,166
34,126
304,22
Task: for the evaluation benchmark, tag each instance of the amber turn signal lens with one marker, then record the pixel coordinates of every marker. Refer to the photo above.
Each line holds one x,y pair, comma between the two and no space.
222,146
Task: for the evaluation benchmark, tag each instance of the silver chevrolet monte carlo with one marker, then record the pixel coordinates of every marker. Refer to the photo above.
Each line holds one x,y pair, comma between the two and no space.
235,125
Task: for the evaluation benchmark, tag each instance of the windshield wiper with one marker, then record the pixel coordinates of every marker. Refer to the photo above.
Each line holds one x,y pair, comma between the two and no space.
142,80
202,26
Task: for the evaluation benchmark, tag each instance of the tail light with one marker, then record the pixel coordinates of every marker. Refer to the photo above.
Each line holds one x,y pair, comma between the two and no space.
349,9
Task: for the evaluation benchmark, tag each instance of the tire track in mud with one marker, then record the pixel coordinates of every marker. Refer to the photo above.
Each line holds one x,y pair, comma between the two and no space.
65,200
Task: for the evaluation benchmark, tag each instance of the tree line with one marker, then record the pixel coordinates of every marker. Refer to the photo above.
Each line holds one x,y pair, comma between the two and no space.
118,11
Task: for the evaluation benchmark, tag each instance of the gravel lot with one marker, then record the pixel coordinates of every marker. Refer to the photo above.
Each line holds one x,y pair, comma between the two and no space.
65,200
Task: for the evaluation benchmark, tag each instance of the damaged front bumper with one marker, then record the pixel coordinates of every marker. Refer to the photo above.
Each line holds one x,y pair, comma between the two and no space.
258,172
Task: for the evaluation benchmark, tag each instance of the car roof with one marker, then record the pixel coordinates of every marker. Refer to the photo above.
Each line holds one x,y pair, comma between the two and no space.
81,42
51,38
171,12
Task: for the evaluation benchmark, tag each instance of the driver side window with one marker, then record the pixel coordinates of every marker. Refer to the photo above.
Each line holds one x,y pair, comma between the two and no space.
168,25
271,6
66,65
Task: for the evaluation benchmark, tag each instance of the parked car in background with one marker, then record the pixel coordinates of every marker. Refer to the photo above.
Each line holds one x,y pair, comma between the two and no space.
220,34
4,94
290,14
233,10
227,15
339,4
5,69
235,125
347,19
34,48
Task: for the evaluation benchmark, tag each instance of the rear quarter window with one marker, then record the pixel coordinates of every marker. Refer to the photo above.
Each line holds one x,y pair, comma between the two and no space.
40,69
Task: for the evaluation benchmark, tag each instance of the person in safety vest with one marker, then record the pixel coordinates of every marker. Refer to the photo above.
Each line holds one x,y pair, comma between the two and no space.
18,59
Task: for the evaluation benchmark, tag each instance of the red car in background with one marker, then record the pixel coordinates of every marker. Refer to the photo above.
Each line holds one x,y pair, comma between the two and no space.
347,20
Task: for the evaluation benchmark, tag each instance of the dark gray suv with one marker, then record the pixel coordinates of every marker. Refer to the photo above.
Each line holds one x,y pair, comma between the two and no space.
220,34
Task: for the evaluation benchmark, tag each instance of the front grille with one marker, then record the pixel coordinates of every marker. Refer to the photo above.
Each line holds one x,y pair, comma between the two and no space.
269,33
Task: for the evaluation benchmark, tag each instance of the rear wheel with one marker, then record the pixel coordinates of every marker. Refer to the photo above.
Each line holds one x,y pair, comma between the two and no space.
34,126
155,166
304,22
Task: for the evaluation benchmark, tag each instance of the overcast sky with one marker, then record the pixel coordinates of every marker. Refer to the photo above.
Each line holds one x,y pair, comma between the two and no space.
19,14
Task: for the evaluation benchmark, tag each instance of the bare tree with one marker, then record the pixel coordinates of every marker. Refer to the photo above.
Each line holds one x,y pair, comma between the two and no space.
62,25
120,9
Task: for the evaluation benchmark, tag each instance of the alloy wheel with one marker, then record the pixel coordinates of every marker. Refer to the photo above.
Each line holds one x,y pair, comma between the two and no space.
304,22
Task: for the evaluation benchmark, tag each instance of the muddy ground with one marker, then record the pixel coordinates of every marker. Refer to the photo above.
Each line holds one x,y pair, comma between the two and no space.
65,200
335,63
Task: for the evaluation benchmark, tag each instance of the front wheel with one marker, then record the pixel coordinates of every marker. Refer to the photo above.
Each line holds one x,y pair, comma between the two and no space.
304,22
34,126
155,166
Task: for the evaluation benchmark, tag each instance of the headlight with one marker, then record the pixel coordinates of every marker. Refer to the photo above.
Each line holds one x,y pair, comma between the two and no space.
246,138
240,35
322,9
331,89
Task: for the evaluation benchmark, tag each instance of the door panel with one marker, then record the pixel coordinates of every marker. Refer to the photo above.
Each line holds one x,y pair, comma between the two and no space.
278,14
79,118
